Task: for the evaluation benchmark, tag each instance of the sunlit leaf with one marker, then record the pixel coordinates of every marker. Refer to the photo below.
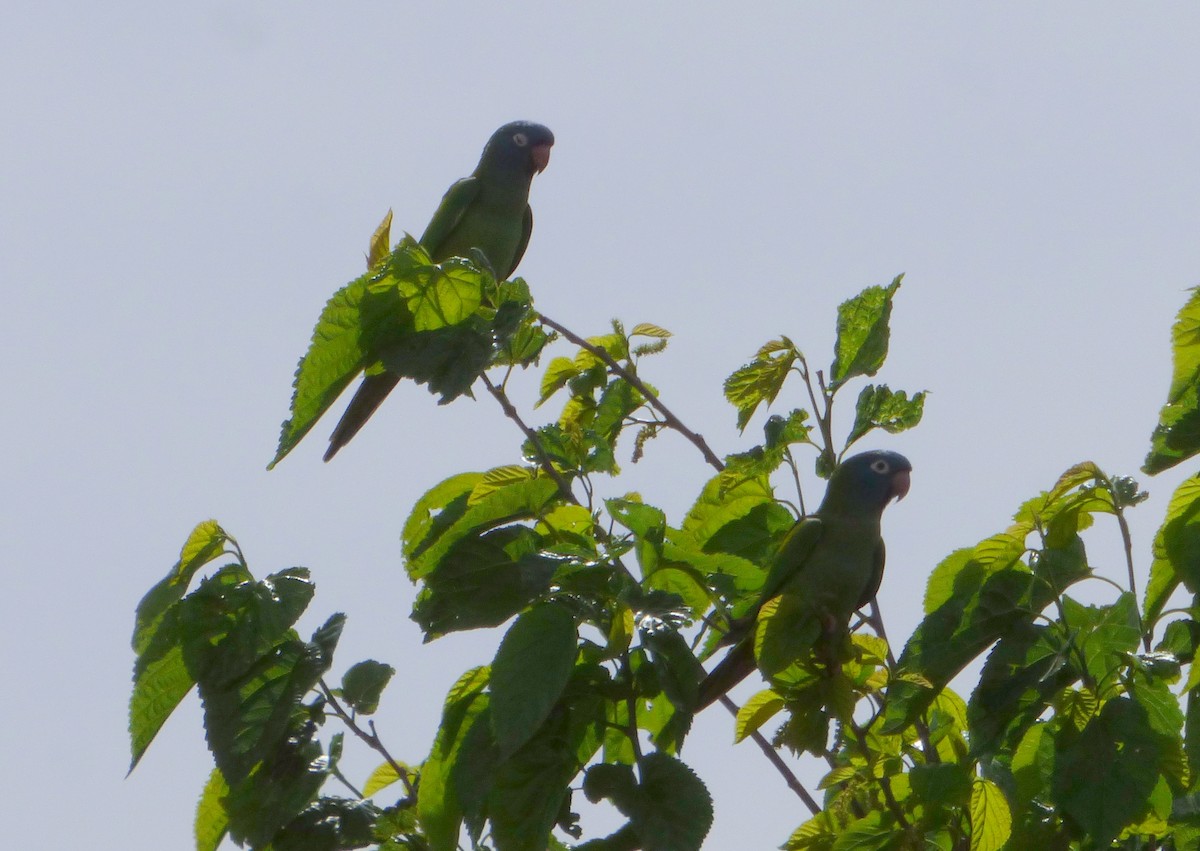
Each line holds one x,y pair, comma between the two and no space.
862,328
1177,435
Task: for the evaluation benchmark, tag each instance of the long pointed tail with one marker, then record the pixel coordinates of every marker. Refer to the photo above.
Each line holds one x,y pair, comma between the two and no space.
370,394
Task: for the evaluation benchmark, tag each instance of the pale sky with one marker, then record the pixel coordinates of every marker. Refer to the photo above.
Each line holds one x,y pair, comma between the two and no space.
184,185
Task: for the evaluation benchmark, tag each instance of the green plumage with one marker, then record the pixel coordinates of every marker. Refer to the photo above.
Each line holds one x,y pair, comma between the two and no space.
488,212
829,565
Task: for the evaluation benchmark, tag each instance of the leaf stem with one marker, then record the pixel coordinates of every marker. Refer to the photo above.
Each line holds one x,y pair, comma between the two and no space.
543,459
371,739
776,760
669,419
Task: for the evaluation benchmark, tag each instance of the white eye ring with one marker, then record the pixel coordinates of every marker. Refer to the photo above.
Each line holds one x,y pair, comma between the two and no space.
521,139
880,466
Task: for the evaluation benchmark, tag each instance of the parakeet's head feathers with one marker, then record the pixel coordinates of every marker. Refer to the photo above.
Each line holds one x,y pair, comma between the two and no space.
867,481
519,145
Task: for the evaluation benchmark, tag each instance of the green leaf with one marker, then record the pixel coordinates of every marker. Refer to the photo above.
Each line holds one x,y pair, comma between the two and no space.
211,823
158,687
384,775
875,831
879,407
862,333
1104,778
328,824
500,477
755,712
1177,435
363,684
715,508
380,244
251,669
989,599
437,801
341,346
532,667
408,315
760,380
530,787
1024,672
675,810
1033,763
278,789
942,784
520,501
991,821
558,372
205,543
645,329
483,581
436,511
1176,549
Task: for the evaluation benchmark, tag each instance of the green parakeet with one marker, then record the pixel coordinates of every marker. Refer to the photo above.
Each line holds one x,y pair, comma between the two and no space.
488,211
828,566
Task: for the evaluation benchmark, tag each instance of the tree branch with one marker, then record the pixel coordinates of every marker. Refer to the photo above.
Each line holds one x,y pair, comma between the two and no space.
669,419
776,760
543,459
371,738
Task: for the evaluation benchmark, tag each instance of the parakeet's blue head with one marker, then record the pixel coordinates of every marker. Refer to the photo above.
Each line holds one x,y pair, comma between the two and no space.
519,146
867,482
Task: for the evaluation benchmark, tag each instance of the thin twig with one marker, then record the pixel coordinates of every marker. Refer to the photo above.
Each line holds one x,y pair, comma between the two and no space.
776,760
884,782
337,772
875,619
543,459
1127,539
371,739
669,419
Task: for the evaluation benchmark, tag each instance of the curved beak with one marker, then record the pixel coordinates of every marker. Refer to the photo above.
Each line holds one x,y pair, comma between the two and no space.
541,156
900,484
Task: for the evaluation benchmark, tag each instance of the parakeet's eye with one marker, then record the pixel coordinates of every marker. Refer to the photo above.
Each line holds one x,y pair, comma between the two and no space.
880,466
521,139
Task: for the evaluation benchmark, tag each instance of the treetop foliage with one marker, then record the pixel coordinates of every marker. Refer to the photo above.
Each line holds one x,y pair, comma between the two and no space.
1083,730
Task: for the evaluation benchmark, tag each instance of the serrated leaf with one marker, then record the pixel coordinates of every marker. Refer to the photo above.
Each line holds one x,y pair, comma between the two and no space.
204,543
381,240
500,477
760,380
645,329
438,804
211,822
755,712
880,407
532,667
363,684
520,501
1104,778
408,315
384,775
1177,435
1176,549
991,821
676,809
988,600
483,581
862,333
558,372
529,788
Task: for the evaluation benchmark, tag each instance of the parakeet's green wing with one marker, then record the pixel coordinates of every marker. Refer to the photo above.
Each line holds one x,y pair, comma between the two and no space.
872,588
526,230
449,213
797,545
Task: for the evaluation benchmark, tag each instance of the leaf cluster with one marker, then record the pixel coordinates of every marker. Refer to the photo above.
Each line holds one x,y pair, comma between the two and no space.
1081,732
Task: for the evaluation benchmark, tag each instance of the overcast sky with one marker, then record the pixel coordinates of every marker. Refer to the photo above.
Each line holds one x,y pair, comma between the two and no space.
183,185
